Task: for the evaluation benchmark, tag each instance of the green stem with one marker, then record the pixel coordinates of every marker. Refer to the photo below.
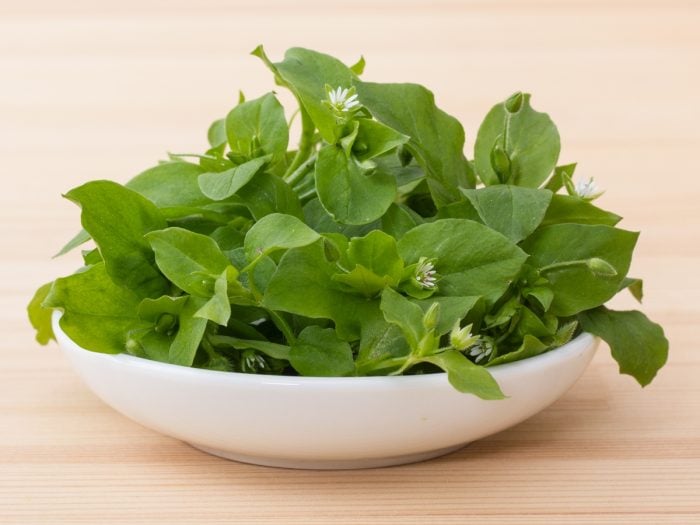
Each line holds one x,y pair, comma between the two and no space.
299,173
305,142
563,266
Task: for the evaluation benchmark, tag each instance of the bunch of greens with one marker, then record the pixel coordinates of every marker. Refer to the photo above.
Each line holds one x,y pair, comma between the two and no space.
374,248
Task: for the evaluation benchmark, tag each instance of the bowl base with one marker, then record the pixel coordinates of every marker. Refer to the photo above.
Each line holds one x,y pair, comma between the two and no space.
328,464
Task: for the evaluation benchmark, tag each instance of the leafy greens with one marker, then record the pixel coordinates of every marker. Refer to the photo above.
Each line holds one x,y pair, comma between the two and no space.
373,248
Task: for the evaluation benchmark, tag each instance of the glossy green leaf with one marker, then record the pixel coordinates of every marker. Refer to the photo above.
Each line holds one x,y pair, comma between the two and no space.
303,285
277,231
452,309
189,334
565,208
88,319
350,193
565,247
220,186
266,194
274,350
218,307
511,210
638,345
258,127
374,139
437,139
306,73
188,259
40,316
529,139
471,258
531,346
405,314
467,377
319,352
117,218
171,184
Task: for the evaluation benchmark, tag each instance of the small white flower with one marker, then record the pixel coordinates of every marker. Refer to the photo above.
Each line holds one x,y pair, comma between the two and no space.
587,189
481,350
426,274
343,100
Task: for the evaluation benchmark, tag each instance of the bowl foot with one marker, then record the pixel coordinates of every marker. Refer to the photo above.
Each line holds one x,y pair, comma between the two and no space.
328,464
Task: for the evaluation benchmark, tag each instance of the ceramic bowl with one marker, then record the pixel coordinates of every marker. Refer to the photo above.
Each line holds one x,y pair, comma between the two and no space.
323,423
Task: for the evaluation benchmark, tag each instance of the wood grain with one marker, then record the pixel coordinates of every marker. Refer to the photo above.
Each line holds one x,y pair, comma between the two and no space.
103,89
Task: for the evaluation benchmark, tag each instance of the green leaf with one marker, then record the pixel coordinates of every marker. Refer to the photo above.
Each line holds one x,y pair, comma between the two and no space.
465,376
80,238
529,139
189,334
303,285
561,252
218,307
437,139
635,287
266,194
399,219
358,67
565,208
405,314
170,185
562,174
220,186
150,345
638,345
306,73
273,350
40,316
216,134
530,347
152,309
117,218
378,252
188,258
373,262
513,211
452,309
277,231
374,139
380,340
319,352
350,193
471,258
97,314
258,127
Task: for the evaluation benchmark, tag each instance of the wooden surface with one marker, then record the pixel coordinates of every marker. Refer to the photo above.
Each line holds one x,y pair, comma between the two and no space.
102,89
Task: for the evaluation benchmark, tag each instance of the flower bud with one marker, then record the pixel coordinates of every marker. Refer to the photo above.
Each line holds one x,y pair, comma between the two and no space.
430,319
405,156
165,323
514,102
133,346
500,162
462,338
601,267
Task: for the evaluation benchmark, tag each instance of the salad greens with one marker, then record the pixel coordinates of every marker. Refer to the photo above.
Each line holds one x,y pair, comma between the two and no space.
373,248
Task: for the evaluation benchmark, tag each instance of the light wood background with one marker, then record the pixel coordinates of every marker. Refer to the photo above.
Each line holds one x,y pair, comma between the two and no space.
92,89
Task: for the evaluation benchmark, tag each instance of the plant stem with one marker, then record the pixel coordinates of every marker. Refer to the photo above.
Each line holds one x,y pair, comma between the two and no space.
299,173
563,266
305,142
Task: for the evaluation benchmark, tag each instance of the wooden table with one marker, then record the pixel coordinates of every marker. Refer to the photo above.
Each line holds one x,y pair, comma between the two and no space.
103,89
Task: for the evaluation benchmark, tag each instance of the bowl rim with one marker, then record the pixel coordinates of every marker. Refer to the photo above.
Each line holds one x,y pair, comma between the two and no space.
576,345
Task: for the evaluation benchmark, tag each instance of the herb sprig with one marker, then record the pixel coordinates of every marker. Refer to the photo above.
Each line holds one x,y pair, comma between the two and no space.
373,248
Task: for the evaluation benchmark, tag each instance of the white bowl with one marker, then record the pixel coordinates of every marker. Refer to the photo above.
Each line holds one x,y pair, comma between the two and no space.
323,423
